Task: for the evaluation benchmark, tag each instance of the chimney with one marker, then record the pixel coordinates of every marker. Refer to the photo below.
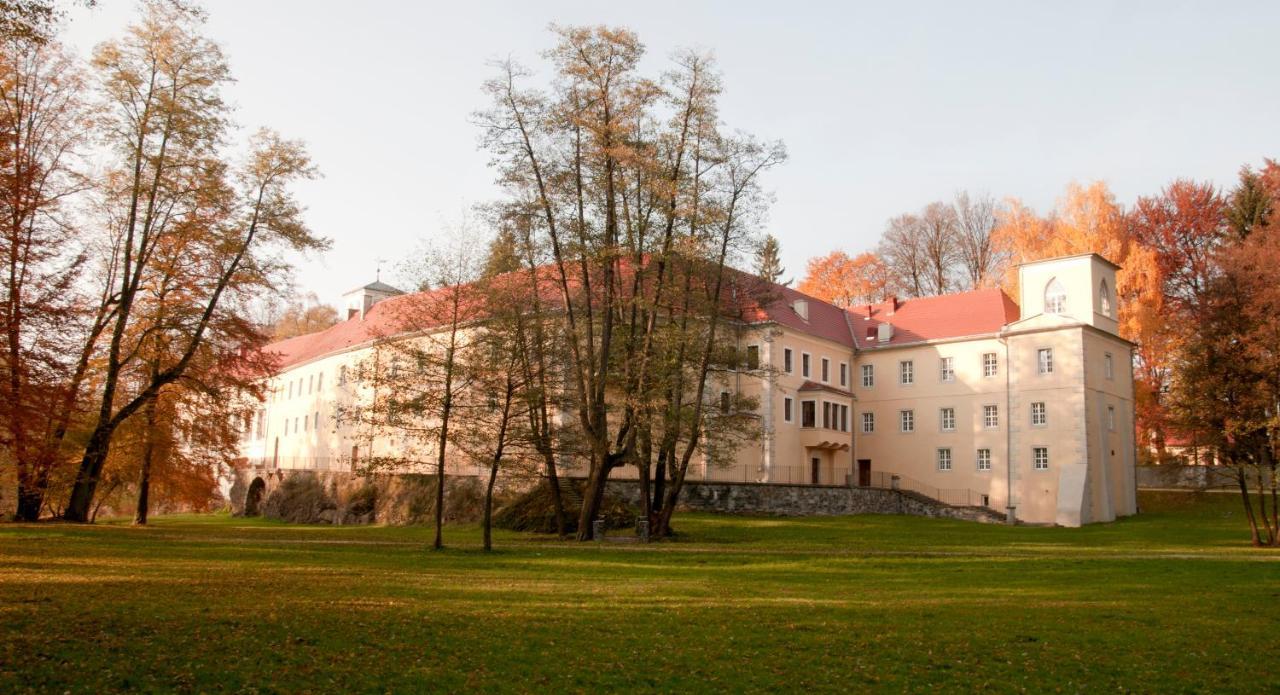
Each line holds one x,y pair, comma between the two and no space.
868,316
801,308
892,304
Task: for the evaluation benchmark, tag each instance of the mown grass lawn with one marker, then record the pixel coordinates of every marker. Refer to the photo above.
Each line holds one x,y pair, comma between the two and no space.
1172,600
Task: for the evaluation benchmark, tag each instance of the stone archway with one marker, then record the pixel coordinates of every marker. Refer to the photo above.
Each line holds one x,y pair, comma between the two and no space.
253,498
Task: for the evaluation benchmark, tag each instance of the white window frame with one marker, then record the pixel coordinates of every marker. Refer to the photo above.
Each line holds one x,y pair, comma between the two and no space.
1043,419
746,357
1108,366
907,417
1035,461
986,421
1044,367
844,374
947,370
995,365
868,422
806,364
826,370
1111,418
788,409
788,360
982,464
942,419
906,372
868,372
1055,303
944,459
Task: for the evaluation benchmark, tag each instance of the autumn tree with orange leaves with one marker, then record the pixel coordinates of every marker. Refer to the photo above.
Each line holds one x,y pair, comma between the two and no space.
846,281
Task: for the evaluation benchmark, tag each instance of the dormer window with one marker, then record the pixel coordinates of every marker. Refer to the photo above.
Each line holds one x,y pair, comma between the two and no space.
1104,298
1055,298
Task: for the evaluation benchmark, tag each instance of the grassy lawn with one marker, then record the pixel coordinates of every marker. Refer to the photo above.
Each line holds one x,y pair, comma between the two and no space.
1172,600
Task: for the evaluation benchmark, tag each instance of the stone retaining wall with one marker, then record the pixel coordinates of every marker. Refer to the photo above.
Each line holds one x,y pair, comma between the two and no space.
1186,477
807,500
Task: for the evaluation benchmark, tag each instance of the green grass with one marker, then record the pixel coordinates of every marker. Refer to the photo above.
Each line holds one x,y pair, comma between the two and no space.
1171,600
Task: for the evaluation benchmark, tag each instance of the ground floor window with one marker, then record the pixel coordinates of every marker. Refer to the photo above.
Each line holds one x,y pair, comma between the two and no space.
868,423
984,459
944,459
808,414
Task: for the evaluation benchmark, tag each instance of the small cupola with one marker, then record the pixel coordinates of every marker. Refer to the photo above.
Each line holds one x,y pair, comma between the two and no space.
360,300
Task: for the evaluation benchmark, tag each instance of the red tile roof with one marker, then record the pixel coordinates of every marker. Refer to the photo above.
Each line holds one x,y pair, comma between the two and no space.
978,312
818,386
927,318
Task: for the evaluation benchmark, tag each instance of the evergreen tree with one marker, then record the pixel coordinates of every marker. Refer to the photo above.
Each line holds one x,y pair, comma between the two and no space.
768,261
1249,204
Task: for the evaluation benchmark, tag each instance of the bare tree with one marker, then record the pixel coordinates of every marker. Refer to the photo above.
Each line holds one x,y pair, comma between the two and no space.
979,255
902,248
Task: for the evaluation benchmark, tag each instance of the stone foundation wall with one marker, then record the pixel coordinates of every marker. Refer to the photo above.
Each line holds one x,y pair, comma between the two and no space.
806,500
335,497
1185,477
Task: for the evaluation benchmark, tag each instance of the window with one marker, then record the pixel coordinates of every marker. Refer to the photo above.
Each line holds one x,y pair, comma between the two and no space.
826,415
1055,298
753,357
868,423
311,383
844,374
724,402
948,368
989,364
906,372
808,413
319,381
1039,414
317,425
296,427
868,375
944,459
1104,298
804,365
826,370
786,409
262,424
291,388
844,418
1111,418
947,418
984,459
1044,360
286,426
786,360
1040,458
907,421
1107,367
990,416
342,374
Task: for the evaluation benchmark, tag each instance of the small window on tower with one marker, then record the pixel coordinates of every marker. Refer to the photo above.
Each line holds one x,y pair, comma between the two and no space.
1055,298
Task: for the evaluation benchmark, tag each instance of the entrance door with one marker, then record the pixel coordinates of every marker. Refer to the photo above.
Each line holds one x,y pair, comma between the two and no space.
816,464
864,472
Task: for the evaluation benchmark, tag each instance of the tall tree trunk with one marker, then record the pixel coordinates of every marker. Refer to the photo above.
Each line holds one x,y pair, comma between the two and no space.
1243,483
144,475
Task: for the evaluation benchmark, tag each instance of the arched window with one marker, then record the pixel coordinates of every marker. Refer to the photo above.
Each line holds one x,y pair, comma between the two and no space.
1104,299
1055,298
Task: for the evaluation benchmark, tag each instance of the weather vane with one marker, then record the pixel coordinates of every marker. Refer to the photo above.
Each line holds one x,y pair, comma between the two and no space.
377,273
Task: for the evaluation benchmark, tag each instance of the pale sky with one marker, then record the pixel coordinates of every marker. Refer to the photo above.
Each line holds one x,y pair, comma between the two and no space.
883,107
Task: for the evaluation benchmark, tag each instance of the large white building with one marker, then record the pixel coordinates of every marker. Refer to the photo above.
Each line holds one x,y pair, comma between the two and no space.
970,398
